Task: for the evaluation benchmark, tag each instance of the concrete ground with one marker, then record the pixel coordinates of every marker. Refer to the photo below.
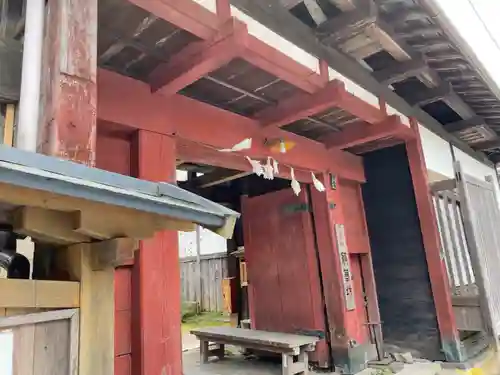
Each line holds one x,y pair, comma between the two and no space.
232,365
236,364
189,342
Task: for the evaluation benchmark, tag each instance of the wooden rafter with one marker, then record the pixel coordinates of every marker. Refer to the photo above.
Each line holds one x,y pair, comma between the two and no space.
218,177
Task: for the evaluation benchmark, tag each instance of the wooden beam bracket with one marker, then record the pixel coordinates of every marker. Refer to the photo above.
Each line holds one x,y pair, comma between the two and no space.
348,23
465,124
113,253
200,58
487,145
401,71
362,132
445,93
301,106
425,97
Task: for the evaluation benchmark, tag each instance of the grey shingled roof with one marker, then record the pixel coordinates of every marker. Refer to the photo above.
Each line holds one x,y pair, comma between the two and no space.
40,172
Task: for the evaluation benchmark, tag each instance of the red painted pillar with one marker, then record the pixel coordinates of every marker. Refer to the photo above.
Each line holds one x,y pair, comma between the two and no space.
156,343
113,154
69,93
327,211
430,236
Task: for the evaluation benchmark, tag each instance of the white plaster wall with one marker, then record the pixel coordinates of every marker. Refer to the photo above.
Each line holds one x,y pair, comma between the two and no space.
211,243
437,155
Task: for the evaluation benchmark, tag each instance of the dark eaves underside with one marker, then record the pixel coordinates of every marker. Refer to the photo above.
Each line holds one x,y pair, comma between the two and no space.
274,15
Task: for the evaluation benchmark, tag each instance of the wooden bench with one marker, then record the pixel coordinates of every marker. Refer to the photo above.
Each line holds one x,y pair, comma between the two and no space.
294,349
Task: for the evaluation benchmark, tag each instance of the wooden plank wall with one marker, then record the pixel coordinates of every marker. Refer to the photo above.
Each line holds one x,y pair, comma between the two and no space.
405,296
213,271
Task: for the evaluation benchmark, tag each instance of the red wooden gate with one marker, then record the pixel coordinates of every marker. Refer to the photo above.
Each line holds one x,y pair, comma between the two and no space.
284,283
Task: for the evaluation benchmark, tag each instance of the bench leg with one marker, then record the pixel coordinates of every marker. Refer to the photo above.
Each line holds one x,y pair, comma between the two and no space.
299,367
204,352
304,360
286,364
220,351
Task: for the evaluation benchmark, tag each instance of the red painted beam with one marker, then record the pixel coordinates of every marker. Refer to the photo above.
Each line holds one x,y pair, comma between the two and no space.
130,102
200,58
383,143
185,14
269,59
194,18
361,109
361,132
196,153
301,106
430,235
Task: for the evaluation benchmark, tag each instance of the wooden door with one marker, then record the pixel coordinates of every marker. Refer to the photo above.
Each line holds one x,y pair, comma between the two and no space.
284,284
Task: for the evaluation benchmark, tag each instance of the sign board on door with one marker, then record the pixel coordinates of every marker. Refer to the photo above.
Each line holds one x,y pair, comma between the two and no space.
350,302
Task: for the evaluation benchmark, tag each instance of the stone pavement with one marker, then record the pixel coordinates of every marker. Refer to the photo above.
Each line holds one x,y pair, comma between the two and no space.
232,365
236,364
189,342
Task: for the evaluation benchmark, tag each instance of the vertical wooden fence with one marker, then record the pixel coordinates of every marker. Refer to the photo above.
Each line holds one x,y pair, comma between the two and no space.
213,271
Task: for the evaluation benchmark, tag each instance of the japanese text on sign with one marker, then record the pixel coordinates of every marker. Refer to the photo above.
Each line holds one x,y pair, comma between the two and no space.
350,302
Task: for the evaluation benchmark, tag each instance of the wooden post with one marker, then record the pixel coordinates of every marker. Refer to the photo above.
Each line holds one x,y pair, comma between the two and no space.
96,310
69,92
198,266
8,128
156,331
327,212
430,236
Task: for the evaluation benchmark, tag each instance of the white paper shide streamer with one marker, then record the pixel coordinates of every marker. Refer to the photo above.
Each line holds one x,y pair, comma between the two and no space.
294,184
257,168
317,183
243,145
268,170
275,167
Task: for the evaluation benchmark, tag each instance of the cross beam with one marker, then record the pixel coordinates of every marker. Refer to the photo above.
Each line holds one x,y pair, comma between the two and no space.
123,100
218,177
360,133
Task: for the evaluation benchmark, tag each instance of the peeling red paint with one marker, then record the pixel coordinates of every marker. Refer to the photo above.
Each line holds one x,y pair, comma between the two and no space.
69,91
